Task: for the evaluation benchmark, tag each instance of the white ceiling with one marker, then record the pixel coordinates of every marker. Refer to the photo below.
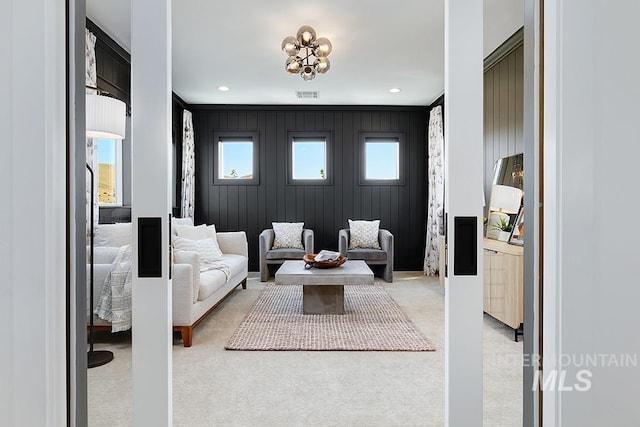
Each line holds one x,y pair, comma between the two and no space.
376,46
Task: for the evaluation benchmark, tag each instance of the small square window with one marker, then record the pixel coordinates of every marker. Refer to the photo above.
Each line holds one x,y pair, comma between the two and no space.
382,158
235,158
308,158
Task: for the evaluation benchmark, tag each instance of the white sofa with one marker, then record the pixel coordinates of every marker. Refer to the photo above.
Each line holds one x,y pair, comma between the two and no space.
194,294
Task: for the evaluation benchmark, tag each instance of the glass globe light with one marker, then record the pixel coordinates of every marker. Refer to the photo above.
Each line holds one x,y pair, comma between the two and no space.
292,65
306,35
323,64
323,46
308,73
290,46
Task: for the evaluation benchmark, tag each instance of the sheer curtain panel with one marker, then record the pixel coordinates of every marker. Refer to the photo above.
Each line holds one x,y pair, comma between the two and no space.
188,166
435,202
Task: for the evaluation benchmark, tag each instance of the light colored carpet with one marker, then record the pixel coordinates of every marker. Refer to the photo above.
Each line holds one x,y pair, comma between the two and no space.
372,321
216,387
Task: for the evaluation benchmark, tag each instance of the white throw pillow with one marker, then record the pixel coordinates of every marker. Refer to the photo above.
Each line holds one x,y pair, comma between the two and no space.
180,221
114,235
194,233
207,249
364,234
288,235
199,232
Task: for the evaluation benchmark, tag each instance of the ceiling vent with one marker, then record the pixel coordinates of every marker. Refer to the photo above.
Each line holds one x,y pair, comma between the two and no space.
307,94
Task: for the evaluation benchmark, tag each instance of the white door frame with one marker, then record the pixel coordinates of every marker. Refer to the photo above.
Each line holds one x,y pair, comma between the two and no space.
533,208
464,147
152,332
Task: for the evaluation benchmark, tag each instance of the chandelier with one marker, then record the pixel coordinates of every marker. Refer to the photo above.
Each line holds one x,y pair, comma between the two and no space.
307,55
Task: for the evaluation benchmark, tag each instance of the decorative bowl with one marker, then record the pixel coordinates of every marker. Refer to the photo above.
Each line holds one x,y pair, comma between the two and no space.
309,262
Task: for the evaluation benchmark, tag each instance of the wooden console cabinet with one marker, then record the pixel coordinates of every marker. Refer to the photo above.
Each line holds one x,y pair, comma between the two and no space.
503,282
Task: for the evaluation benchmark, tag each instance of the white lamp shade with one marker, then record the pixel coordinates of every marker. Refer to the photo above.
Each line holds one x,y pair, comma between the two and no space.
505,199
106,117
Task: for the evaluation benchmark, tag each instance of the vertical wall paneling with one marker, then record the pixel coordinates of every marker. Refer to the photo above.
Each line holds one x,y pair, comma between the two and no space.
503,108
113,65
324,208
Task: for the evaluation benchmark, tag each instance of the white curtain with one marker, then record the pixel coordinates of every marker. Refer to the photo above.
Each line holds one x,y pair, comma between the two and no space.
91,79
188,166
435,204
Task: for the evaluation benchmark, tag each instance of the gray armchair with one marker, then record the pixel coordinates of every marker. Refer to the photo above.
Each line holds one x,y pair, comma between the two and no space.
278,256
382,256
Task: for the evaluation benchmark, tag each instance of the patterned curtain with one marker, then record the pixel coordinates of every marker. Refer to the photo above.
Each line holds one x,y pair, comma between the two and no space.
188,166
91,79
435,204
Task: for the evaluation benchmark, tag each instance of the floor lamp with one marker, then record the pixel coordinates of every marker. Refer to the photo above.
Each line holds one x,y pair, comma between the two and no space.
105,118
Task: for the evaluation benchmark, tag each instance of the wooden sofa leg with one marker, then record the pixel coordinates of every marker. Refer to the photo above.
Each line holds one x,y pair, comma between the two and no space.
244,283
187,335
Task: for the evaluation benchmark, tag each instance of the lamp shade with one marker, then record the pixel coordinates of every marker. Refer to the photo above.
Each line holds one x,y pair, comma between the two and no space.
106,117
505,199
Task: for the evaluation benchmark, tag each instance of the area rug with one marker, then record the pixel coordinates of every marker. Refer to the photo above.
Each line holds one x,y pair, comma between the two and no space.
372,322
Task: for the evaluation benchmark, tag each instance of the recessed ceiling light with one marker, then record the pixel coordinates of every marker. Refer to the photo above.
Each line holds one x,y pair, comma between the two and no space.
394,90
223,88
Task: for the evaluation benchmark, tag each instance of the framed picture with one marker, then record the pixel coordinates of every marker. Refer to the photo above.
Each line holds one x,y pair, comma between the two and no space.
517,233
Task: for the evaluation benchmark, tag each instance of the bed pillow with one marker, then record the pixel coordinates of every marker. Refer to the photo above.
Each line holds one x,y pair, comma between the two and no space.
207,249
288,235
114,235
364,234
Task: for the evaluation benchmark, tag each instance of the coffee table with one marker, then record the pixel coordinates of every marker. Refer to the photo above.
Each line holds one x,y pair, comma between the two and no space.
323,288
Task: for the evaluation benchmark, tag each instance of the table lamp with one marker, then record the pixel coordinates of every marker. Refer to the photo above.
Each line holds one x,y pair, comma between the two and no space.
504,200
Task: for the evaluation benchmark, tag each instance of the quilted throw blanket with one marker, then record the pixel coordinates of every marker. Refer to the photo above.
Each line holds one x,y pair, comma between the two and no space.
215,265
114,304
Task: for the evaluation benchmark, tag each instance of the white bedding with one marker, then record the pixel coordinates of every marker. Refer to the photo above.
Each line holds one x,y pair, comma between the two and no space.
114,304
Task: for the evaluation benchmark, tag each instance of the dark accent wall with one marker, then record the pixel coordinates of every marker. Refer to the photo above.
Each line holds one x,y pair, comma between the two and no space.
503,106
114,214
113,65
324,208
